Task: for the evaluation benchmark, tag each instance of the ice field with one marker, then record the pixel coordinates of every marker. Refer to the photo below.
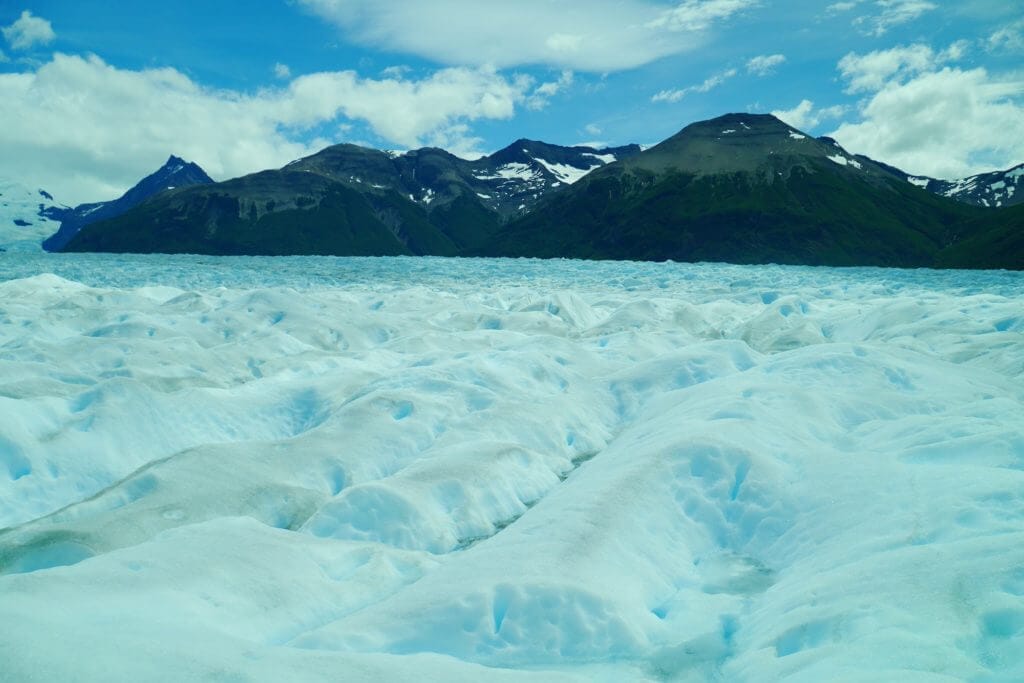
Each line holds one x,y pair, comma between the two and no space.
309,469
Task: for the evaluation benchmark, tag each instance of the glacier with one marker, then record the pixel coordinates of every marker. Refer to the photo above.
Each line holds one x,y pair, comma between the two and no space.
307,469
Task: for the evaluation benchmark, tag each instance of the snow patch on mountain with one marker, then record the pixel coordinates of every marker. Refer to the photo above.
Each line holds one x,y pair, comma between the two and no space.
566,173
843,161
512,171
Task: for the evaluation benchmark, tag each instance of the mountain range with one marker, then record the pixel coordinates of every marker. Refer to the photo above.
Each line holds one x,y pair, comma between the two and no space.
356,201
746,188
742,187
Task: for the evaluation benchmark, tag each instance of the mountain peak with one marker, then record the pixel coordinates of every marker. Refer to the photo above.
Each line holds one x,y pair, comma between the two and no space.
175,173
174,160
758,144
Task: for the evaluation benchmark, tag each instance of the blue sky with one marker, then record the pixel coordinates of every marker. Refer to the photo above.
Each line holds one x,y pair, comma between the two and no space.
96,95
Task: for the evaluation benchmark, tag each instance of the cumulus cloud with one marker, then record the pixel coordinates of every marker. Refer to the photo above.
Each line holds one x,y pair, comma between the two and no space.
805,117
594,36
871,71
709,84
762,65
105,127
28,31
933,119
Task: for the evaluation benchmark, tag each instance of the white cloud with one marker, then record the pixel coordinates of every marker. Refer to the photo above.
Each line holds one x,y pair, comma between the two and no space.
282,71
946,123
592,129
709,84
86,130
762,65
869,72
4,58
543,92
842,7
28,31
893,13
596,36
805,117
698,15
1008,38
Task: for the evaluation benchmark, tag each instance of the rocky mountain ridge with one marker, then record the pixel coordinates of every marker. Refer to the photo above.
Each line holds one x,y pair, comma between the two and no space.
742,187
359,201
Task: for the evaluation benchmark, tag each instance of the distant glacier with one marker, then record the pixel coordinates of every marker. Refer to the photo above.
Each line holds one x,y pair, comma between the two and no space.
366,469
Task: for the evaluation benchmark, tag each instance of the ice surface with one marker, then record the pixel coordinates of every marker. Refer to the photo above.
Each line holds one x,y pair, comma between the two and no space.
920,182
313,469
22,229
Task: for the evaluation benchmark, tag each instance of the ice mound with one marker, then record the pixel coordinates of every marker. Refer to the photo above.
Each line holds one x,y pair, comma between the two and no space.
385,469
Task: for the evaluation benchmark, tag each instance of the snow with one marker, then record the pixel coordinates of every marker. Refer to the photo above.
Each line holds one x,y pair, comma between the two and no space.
964,185
483,196
603,158
920,182
511,171
797,136
313,469
564,172
998,185
728,131
843,161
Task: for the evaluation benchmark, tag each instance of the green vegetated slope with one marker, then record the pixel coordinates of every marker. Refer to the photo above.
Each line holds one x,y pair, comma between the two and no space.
995,240
744,189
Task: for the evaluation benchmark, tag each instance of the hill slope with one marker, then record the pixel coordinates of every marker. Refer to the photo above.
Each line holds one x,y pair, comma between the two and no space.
741,188
996,241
